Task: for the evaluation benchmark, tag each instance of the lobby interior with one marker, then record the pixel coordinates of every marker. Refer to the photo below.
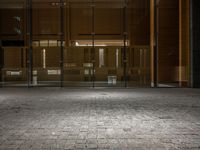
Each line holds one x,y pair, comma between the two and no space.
97,43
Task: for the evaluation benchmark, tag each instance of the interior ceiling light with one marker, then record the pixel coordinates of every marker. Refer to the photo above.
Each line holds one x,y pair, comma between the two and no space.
100,43
56,4
77,44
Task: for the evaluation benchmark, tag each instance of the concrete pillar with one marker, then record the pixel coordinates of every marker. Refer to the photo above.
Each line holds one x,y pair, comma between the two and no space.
195,42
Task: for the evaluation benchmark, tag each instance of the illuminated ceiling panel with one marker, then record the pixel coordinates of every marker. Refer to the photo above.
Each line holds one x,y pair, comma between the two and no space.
100,43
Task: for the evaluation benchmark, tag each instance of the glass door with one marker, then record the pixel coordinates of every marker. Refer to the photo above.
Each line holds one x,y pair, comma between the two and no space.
138,52
109,66
173,43
109,43
78,66
46,43
168,43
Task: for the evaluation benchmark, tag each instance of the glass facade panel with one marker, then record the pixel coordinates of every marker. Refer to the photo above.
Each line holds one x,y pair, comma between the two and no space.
78,67
94,43
46,41
12,44
108,43
138,52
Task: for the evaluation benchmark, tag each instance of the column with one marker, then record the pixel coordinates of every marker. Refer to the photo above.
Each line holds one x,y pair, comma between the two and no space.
195,45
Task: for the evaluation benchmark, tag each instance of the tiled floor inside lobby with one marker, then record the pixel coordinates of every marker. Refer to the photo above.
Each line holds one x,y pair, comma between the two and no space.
121,119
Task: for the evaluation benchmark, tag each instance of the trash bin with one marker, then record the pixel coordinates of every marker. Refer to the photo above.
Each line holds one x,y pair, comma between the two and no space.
34,77
34,80
112,80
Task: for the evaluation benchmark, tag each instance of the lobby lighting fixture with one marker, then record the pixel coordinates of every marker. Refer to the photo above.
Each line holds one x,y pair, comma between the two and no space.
88,44
44,58
100,43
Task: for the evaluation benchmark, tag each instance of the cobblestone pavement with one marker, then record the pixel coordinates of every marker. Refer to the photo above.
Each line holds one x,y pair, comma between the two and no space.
121,119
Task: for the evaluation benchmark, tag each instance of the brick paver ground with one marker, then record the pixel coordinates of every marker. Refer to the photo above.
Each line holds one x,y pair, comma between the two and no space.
121,119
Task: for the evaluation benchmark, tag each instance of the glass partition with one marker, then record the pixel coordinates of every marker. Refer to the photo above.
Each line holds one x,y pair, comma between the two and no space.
94,43
78,66
109,21
139,66
109,66
12,44
46,42
14,70
138,52
168,43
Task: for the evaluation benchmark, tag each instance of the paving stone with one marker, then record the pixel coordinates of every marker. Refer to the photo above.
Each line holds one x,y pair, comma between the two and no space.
107,119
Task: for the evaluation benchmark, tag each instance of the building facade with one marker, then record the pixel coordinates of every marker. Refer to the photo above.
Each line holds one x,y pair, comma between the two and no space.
92,43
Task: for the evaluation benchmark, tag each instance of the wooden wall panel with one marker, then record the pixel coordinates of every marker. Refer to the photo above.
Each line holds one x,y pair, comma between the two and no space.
75,56
168,41
184,44
12,58
46,21
139,22
80,23
52,57
37,58
108,21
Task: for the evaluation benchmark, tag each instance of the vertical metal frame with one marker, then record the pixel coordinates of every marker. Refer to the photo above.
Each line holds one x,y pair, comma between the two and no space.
30,39
191,44
61,41
125,34
156,26
1,65
93,43
180,43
